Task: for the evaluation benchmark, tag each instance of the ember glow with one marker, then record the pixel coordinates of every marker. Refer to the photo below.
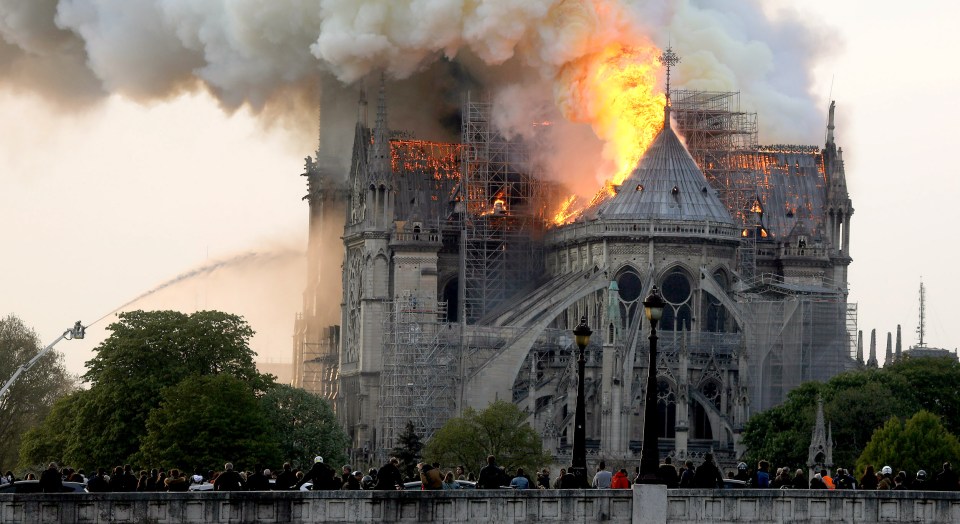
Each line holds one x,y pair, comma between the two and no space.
614,91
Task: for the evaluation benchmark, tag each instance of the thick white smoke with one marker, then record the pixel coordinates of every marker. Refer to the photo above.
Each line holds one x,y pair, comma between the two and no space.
249,51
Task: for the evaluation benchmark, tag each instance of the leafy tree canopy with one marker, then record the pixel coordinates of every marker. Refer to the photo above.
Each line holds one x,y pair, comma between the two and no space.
500,430
29,399
205,421
920,443
147,352
855,404
304,426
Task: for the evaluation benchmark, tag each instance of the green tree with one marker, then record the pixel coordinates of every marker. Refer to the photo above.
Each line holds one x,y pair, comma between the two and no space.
304,426
52,440
500,430
408,449
855,403
205,421
920,443
29,399
147,352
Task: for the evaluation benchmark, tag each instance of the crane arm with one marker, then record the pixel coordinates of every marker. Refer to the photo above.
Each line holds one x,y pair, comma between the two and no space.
76,332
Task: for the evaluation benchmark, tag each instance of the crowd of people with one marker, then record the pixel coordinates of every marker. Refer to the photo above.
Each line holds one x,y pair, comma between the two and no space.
885,479
321,476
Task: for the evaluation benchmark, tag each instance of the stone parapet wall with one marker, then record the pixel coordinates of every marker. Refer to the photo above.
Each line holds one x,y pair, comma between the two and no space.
643,504
322,506
760,506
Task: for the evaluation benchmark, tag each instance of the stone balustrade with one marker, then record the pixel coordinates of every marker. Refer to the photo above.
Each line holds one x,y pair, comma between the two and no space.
642,505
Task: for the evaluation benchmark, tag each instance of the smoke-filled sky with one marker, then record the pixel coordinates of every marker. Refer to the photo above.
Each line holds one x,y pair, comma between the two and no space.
142,140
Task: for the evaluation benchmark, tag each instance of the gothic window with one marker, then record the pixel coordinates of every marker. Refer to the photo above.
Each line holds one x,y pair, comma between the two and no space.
630,287
676,289
711,390
354,294
667,408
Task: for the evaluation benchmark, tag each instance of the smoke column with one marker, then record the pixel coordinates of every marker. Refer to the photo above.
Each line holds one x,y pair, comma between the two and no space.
269,55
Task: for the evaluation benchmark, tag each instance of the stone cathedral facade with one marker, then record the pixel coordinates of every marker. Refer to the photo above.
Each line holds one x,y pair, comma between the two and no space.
457,289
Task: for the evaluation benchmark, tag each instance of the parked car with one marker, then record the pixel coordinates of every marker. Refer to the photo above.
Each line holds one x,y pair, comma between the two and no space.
417,485
33,486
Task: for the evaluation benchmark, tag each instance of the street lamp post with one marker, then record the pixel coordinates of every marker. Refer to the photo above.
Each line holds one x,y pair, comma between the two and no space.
579,465
650,453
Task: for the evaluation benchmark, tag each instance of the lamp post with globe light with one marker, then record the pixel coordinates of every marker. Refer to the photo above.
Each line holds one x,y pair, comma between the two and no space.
650,453
579,465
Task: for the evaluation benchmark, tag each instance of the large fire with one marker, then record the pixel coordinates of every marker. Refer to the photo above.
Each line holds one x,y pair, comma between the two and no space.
614,91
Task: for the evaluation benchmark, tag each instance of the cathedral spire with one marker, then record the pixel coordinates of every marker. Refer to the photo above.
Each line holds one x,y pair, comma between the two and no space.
821,442
860,347
669,59
872,361
898,351
379,163
830,124
889,356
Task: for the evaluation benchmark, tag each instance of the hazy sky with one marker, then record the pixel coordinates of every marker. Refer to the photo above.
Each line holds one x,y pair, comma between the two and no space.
101,205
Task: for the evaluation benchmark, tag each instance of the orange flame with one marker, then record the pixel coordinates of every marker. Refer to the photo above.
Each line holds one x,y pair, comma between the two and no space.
614,91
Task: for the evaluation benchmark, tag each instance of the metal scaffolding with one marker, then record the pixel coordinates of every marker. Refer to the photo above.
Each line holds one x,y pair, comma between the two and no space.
503,209
722,139
419,369
317,367
795,334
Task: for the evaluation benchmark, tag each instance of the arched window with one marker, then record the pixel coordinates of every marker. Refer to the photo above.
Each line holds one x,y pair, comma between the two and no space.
676,288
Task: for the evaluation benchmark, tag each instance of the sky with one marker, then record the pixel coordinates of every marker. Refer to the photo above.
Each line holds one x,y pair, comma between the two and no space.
103,204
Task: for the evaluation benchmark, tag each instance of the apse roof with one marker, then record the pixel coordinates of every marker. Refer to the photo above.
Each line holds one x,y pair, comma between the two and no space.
666,185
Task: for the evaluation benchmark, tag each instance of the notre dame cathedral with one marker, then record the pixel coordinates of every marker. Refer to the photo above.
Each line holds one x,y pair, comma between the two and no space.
460,286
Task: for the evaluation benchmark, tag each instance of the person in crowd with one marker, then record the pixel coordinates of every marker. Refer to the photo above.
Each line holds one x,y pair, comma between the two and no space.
143,481
491,476
129,479
827,479
947,479
708,475
286,479
556,484
845,480
799,480
603,478
229,480
667,474
321,474
569,480
176,481
817,482
761,479
98,483
258,480
369,481
430,477
389,477
620,479
742,473
50,480
900,481
784,479
686,477
449,482
886,479
921,483
353,481
520,481
869,479
543,479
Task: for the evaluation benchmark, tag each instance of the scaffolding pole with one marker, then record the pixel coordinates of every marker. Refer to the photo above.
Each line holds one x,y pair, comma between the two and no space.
503,209
419,370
